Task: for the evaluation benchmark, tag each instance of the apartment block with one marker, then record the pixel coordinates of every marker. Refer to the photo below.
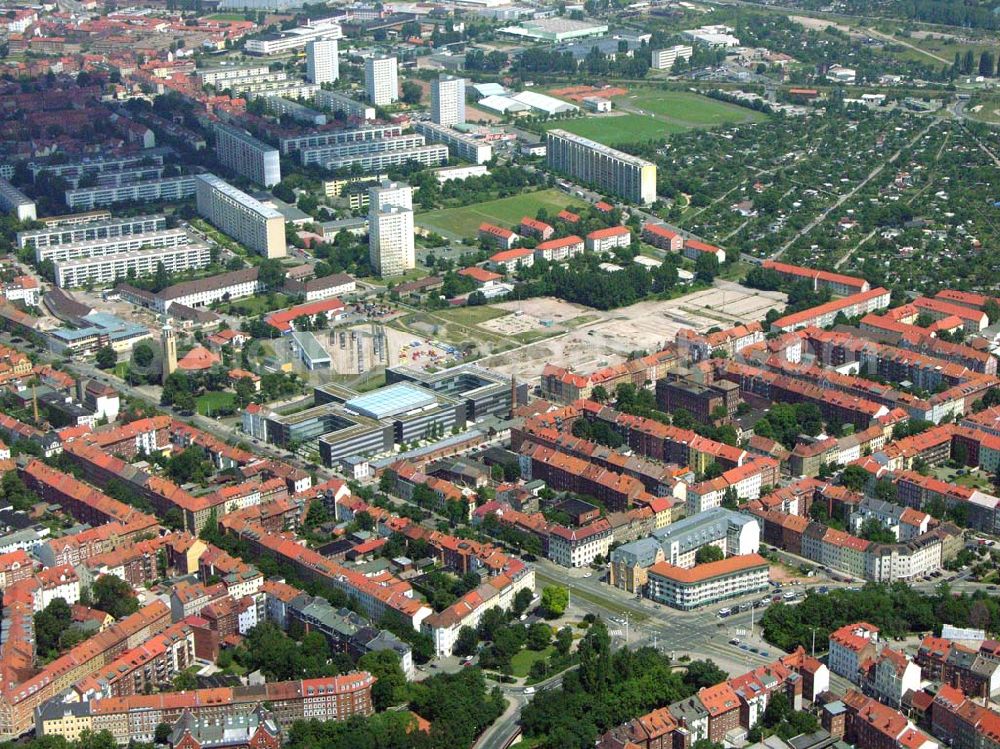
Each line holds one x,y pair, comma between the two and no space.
144,262
825,314
381,80
337,137
15,202
448,100
608,169
323,155
89,231
322,63
219,77
427,155
460,145
390,228
247,156
707,583
242,217
334,101
168,189
96,248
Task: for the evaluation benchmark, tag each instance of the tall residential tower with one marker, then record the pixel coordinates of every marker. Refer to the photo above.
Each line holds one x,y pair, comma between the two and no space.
390,229
448,100
381,80
322,65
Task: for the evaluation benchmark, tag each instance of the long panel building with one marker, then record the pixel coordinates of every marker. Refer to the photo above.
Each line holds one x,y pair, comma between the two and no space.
149,191
16,202
336,137
322,155
102,270
611,170
244,218
461,145
334,101
112,245
427,155
246,155
90,231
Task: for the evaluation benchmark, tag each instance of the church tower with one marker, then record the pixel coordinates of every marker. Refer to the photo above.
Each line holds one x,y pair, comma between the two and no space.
169,342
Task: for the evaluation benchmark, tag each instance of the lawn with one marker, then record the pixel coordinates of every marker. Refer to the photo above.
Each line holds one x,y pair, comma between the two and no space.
521,663
471,315
984,109
503,211
687,110
611,131
209,403
255,305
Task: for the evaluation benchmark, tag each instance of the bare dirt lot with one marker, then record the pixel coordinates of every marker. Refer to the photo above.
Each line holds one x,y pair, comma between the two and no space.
611,336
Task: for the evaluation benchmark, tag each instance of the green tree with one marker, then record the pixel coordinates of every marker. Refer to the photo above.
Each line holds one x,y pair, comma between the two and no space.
466,642
708,553
384,665
555,599
185,681
115,596
50,623
854,478
163,731
411,93
539,636
703,674
522,600
107,357
564,640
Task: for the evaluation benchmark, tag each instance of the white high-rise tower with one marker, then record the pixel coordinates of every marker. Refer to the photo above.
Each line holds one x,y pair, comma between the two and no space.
390,229
448,100
381,80
322,64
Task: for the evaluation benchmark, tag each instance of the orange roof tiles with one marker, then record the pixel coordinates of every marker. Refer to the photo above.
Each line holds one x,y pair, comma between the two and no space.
701,572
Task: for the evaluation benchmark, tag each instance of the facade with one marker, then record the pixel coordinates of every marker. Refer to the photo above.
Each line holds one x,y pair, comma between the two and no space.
390,229
433,155
707,583
664,59
323,155
613,171
89,231
246,155
557,250
849,646
147,191
16,203
298,112
104,270
381,80
135,717
112,245
334,101
824,315
322,62
448,100
605,240
460,145
579,547
242,217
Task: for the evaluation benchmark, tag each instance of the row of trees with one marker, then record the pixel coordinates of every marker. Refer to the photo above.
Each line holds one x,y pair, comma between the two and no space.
896,609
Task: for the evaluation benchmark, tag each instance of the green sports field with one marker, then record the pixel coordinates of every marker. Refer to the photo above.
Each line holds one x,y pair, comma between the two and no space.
686,110
504,212
626,128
